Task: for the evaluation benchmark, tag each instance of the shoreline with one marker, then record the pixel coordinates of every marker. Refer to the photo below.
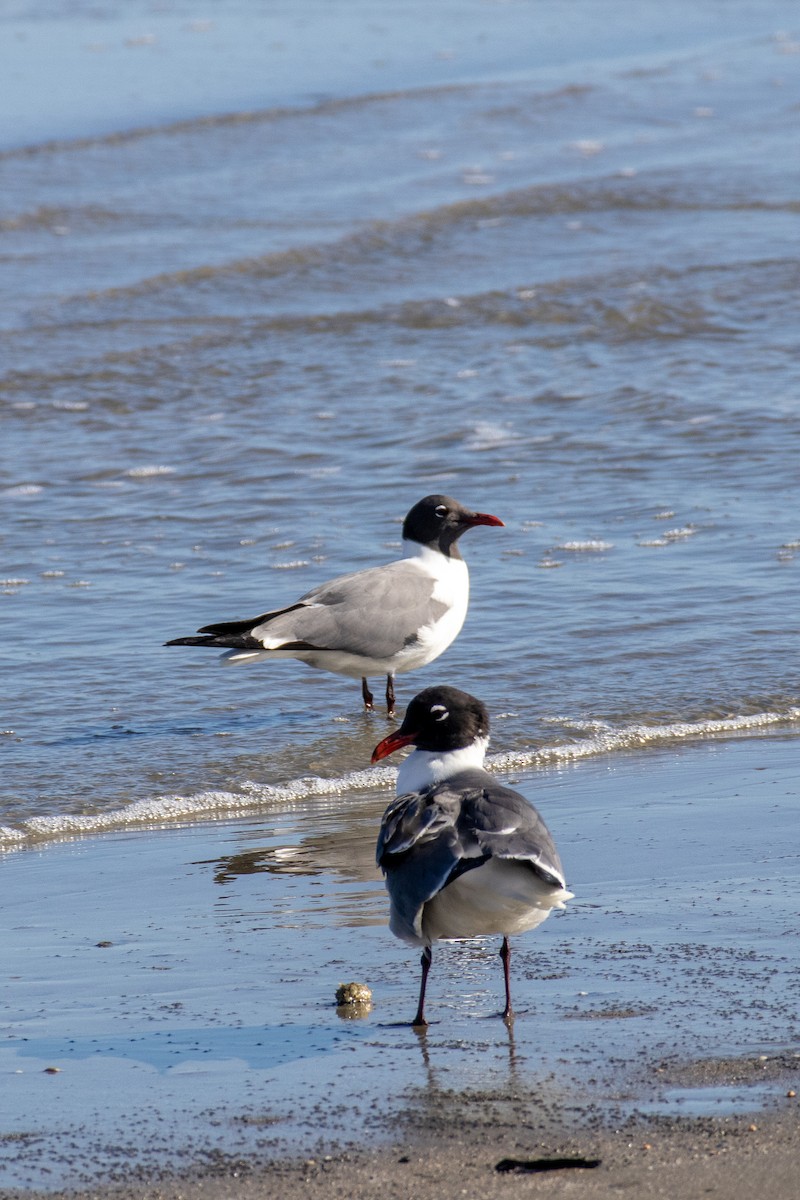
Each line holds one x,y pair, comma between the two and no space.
252,799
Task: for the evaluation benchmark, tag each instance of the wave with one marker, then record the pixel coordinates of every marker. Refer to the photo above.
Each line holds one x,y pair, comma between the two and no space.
414,231
297,290
199,125
254,798
619,307
605,739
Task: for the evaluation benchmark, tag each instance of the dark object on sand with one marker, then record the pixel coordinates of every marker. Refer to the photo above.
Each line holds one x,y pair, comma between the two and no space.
530,1166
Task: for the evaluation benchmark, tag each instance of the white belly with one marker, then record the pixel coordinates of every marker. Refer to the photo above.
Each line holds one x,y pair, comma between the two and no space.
337,661
501,896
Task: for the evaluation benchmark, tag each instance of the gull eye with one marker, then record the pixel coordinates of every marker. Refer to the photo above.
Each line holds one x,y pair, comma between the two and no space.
441,510
443,712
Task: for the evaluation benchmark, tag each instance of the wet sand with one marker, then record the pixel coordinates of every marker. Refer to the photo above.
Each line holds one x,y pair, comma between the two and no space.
737,1157
170,1023
685,1160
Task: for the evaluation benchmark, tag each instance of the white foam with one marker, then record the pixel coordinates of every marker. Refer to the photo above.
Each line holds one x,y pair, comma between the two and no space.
486,435
675,535
163,810
23,489
148,472
592,546
628,737
160,811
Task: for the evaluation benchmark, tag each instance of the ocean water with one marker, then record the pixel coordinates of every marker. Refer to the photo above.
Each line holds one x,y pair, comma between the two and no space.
273,273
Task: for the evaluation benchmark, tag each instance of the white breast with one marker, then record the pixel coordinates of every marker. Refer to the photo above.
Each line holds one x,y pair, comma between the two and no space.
425,768
451,590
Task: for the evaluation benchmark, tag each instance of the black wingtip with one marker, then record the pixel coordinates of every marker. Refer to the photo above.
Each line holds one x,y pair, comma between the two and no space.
221,642
190,641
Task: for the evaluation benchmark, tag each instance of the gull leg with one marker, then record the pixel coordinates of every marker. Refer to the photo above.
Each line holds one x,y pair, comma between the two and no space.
419,1019
390,695
505,955
366,693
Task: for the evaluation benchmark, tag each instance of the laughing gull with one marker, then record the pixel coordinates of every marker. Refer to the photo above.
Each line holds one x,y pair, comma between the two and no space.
463,855
383,620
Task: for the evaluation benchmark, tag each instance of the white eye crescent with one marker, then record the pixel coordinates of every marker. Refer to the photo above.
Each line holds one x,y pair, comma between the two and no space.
440,708
441,510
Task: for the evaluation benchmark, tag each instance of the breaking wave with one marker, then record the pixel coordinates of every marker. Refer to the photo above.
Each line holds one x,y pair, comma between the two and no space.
253,798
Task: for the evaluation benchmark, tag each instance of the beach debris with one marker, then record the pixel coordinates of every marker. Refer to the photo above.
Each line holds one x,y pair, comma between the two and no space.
524,1166
353,993
353,1001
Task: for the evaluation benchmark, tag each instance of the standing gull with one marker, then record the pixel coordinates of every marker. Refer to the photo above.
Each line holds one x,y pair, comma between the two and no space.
463,855
383,620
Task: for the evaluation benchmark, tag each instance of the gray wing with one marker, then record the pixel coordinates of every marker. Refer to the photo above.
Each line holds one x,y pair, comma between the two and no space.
428,838
418,851
372,613
503,823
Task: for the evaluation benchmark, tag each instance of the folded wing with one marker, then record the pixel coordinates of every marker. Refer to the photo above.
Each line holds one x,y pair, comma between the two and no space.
452,828
372,613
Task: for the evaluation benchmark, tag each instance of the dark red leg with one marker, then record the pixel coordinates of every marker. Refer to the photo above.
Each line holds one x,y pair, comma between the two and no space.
390,695
505,954
419,1019
366,693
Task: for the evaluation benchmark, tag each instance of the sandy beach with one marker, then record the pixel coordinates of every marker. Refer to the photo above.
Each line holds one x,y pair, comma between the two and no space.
732,1157
171,1022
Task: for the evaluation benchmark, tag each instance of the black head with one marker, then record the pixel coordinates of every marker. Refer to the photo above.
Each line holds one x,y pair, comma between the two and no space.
438,719
439,521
